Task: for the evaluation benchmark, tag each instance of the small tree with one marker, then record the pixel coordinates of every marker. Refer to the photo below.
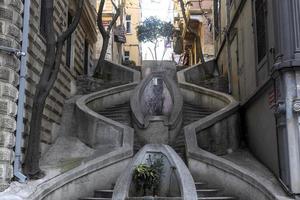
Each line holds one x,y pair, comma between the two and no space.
152,30
54,50
105,33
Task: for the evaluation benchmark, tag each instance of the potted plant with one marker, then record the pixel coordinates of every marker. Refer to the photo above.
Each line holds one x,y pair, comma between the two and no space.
146,177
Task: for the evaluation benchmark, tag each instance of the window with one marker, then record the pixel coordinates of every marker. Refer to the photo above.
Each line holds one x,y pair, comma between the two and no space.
126,55
261,32
69,43
43,20
128,23
86,56
217,8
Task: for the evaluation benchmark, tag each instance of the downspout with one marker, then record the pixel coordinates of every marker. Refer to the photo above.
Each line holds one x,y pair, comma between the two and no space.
21,99
228,47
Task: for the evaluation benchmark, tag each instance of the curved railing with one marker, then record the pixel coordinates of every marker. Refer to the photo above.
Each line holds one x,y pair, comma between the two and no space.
94,172
206,163
205,75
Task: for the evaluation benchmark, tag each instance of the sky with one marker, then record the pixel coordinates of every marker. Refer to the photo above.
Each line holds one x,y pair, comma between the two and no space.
162,9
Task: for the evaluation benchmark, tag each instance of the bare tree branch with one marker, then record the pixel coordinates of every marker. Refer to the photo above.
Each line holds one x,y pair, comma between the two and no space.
99,18
115,17
105,34
74,23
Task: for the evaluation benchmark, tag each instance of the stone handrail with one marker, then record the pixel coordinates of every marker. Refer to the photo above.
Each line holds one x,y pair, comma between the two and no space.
135,101
91,172
222,122
111,131
214,167
121,73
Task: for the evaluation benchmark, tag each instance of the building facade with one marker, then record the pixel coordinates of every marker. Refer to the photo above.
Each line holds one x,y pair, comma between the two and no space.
132,47
257,48
77,60
200,19
117,35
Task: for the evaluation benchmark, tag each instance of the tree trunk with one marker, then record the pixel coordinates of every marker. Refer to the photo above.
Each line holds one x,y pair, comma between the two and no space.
54,49
100,64
105,34
199,50
155,53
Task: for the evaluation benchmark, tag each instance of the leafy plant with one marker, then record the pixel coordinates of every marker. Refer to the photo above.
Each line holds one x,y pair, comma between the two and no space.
152,29
147,176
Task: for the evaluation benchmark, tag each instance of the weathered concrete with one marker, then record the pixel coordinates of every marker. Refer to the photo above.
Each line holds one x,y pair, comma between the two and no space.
94,129
183,181
206,166
119,73
218,132
166,127
150,66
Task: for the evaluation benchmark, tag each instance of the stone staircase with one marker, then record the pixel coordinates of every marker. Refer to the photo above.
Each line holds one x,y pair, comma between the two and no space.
191,113
100,195
120,113
203,191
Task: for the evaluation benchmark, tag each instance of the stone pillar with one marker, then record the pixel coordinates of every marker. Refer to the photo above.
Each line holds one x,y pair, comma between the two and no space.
10,36
286,68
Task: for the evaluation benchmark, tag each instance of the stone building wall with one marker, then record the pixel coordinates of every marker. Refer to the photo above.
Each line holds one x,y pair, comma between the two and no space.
65,84
10,35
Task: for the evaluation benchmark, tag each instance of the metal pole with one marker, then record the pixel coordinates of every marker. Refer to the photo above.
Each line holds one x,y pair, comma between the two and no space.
21,99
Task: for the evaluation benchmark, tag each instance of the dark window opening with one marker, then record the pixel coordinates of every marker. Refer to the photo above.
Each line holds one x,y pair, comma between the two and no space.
217,8
261,31
126,55
86,56
43,20
128,23
69,43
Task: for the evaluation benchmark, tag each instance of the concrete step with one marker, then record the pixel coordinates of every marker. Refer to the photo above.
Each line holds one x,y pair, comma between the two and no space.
200,185
103,193
217,198
94,198
210,192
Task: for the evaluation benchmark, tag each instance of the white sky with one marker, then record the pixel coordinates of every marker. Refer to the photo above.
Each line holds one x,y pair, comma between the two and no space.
162,9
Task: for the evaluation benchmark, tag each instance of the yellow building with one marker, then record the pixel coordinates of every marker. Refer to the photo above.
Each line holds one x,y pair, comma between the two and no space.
115,50
199,18
132,17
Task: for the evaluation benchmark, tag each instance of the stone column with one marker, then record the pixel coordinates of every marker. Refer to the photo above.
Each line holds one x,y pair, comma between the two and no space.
10,36
286,73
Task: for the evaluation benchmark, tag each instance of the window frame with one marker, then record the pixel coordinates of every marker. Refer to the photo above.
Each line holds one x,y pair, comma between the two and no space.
69,44
126,57
43,21
128,24
260,62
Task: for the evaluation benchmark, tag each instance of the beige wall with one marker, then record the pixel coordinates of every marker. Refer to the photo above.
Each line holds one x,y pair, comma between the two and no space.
250,82
132,7
195,10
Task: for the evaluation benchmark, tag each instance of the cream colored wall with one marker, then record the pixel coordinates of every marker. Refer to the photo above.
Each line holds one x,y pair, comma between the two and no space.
132,7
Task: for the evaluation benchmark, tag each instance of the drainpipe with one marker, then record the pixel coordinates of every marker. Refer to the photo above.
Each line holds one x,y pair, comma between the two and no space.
21,99
228,47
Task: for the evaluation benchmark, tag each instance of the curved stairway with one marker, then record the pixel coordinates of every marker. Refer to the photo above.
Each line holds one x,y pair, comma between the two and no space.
191,113
203,191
